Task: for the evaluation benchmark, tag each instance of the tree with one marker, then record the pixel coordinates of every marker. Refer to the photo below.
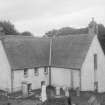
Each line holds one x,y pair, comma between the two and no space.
27,33
101,31
8,28
51,33
72,31
66,31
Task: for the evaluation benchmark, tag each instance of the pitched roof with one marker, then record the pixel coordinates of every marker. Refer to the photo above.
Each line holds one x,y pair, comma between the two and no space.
29,52
70,51
26,52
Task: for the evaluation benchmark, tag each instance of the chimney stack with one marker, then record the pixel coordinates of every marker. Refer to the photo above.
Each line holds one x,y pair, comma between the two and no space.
93,27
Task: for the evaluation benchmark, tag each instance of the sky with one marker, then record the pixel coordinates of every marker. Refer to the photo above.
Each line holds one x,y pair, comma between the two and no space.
40,16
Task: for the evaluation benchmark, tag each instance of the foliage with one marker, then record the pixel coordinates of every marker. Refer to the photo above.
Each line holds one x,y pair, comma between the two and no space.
7,27
68,31
101,31
27,33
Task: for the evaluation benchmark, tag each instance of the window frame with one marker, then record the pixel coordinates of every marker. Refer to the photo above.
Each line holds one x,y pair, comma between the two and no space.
36,71
25,72
45,70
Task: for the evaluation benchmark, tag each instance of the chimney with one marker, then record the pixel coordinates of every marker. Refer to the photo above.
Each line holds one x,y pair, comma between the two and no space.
93,27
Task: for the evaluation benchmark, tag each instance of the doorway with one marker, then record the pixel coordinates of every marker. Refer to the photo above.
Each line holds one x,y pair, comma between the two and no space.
29,87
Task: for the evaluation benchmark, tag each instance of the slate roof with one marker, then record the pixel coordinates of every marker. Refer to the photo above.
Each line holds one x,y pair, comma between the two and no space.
29,52
26,52
70,51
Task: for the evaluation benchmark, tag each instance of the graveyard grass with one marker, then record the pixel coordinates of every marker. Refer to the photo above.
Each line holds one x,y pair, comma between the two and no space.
79,100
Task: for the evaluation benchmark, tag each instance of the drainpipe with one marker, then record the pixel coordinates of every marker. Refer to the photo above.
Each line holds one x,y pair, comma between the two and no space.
50,54
49,75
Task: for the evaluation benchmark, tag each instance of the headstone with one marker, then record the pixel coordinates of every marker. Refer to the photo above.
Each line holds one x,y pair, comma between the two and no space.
93,101
57,90
77,91
64,90
43,92
24,89
67,92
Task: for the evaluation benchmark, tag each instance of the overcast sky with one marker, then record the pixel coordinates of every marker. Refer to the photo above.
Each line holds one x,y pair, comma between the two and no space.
39,16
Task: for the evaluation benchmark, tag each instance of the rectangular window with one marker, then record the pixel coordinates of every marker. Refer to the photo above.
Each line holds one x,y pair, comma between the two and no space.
25,72
95,61
45,70
36,71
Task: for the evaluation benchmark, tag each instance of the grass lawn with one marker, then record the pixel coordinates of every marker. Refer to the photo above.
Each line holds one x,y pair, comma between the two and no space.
84,97
79,100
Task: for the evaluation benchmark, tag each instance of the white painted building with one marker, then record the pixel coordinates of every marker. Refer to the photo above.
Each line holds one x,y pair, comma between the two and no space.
79,61
75,61
23,60
87,65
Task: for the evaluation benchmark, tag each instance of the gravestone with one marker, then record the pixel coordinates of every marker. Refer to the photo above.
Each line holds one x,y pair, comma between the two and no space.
64,90
67,92
57,90
43,91
24,89
93,101
77,91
